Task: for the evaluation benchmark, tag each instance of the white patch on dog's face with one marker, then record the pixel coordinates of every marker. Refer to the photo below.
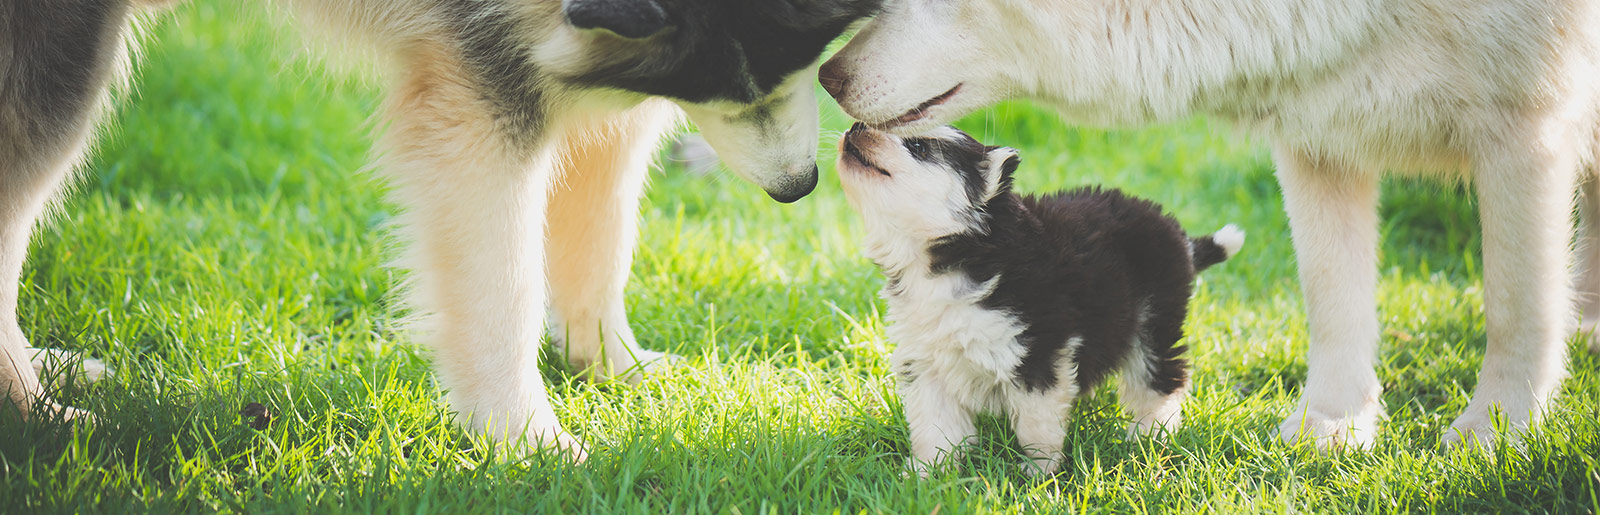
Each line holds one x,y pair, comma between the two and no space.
772,143
921,187
921,64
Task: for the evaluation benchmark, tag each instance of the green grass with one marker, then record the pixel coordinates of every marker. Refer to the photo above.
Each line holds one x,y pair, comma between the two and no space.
223,248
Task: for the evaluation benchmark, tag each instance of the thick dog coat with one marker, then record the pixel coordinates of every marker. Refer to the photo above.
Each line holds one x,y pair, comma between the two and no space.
1504,93
1015,304
509,124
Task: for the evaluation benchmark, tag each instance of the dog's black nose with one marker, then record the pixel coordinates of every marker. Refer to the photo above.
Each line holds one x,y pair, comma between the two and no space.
832,78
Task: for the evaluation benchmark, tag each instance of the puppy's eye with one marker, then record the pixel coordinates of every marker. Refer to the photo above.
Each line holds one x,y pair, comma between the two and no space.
918,148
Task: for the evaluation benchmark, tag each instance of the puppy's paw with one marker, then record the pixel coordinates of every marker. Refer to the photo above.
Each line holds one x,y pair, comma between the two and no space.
1155,425
1331,433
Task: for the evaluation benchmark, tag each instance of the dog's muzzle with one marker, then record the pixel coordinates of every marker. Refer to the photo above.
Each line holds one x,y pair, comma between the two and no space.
795,186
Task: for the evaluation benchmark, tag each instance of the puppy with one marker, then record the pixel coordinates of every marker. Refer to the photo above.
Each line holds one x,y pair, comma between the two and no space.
1015,304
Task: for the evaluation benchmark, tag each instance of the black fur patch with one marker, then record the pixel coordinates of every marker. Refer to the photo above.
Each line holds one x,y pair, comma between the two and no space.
510,81
731,50
627,18
1090,263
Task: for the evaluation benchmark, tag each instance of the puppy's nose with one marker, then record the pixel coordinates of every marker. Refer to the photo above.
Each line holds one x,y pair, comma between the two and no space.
832,78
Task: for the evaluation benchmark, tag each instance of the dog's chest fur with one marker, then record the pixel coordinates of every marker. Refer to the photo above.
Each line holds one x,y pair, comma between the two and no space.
942,329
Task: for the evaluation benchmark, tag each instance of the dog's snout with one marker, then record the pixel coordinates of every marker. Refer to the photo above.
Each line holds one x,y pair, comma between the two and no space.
795,186
833,78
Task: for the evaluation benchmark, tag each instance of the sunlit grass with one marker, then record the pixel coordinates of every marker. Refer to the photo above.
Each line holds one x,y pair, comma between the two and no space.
224,249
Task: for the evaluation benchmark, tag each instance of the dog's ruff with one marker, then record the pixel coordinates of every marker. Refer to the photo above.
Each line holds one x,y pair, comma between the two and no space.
1014,305
1503,93
508,123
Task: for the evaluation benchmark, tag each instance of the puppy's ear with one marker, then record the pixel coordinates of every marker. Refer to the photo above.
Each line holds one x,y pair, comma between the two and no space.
999,164
632,19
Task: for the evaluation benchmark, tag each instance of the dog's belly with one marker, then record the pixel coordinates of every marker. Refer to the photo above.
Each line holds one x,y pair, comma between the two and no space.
1427,102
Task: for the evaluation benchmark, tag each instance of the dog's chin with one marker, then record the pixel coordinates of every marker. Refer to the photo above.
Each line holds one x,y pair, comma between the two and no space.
933,112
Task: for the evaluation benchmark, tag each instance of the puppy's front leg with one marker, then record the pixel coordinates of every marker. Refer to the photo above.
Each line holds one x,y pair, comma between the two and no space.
1040,421
939,424
1333,218
474,192
594,211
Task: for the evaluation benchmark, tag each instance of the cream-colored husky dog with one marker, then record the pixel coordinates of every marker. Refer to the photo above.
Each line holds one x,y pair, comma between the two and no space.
1503,93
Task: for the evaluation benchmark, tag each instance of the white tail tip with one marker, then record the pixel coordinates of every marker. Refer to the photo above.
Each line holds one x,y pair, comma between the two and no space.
1230,238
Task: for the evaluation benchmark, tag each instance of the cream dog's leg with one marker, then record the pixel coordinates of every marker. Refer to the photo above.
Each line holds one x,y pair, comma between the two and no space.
594,213
1588,249
1525,202
475,198
1333,218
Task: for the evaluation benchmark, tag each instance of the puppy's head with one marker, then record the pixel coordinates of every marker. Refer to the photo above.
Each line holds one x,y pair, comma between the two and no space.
925,186
743,70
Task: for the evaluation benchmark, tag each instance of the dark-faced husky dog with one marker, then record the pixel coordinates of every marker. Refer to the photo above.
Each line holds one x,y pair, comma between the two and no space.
517,137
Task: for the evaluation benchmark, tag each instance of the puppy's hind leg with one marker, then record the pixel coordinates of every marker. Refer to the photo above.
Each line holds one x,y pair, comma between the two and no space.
1333,218
1155,377
60,60
474,192
1525,201
594,211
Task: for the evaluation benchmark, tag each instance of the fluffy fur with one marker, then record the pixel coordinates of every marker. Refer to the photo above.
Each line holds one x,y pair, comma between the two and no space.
518,135
1013,305
1504,93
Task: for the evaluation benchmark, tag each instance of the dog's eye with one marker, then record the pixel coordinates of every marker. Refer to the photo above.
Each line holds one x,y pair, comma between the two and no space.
918,149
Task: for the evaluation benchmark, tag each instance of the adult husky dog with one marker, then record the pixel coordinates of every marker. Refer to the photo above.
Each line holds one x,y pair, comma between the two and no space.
500,115
1503,93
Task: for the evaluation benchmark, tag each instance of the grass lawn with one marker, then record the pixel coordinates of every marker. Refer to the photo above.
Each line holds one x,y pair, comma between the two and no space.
222,248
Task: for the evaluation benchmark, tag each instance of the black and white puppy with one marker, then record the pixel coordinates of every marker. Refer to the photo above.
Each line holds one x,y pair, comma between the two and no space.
1014,304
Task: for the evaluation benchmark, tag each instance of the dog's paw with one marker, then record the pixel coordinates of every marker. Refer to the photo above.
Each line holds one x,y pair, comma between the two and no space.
1042,467
559,440
1330,433
1589,331
1156,425
1480,427
644,363
63,367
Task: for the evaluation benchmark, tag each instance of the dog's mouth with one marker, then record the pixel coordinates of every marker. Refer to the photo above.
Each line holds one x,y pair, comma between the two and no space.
919,112
853,153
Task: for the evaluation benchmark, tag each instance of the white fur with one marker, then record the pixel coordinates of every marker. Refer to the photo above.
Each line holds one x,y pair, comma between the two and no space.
1152,411
1231,238
1504,93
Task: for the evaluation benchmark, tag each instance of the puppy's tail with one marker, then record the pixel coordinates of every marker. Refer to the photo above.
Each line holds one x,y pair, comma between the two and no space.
1216,247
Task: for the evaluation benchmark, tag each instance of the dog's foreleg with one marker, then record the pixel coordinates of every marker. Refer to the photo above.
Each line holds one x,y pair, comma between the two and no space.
1040,421
939,425
594,212
1525,203
1333,218
1588,249
61,59
474,200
